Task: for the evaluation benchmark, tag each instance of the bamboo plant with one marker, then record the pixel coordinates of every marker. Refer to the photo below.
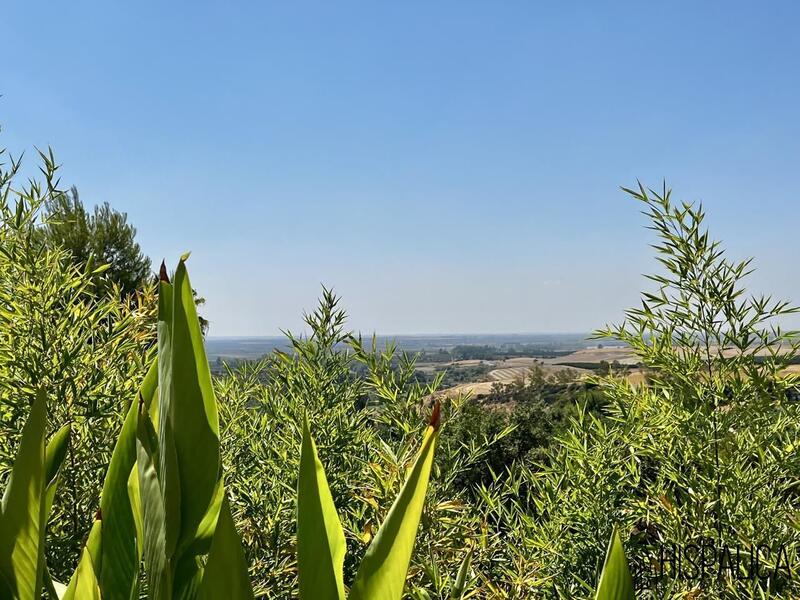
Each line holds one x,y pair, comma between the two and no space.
164,503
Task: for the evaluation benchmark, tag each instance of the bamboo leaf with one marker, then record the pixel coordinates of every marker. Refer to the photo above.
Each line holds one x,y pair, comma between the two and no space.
382,574
226,574
320,540
23,509
615,582
460,584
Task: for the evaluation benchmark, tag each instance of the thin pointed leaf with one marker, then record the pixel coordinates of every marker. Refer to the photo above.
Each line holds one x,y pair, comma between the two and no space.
320,540
382,574
226,573
616,582
460,584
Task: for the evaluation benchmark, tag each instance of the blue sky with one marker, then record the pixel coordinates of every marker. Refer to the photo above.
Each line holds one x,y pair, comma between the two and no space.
445,166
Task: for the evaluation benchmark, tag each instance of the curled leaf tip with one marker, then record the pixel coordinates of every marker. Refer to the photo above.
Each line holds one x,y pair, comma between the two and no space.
436,416
162,273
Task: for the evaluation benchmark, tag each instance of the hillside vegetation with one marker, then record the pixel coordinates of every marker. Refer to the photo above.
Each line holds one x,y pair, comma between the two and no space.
335,448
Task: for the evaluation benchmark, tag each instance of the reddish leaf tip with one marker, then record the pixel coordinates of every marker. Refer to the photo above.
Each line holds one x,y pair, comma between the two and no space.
162,273
436,416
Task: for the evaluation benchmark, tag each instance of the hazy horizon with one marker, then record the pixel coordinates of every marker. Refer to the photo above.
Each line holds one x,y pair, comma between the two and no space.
445,168
250,347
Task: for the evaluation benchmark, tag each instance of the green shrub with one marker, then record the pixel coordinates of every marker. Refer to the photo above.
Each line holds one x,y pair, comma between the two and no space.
164,501
519,420
85,349
705,452
365,409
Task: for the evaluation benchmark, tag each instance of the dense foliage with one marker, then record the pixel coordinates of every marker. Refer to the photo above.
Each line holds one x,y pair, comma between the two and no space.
704,454
103,236
526,487
367,431
58,332
523,418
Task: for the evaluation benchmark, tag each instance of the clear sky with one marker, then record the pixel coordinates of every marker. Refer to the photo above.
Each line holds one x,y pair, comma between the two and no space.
445,166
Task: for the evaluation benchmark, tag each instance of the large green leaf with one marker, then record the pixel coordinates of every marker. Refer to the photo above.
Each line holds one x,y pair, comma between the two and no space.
320,540
167,467
136,508
84,585
152,506
382,574
54,455
22,518
120,554
208,525
191,411
615,582
187,577
226,573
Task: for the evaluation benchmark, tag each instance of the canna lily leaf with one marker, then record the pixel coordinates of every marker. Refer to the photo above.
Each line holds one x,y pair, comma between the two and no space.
187,575
152,505
136,508
22,514
83,583
86,586
120,549
188,414
205,530
320,539
382,574
54,455
616,582
53,589
167,469
226,575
